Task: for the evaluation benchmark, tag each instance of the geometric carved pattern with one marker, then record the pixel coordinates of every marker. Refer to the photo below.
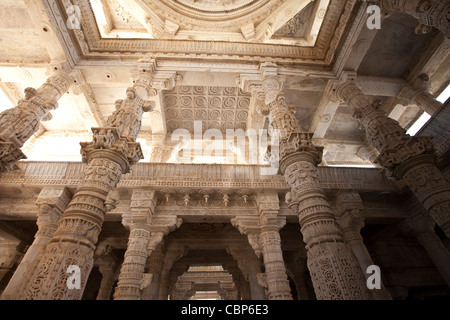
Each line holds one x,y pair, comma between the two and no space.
216,107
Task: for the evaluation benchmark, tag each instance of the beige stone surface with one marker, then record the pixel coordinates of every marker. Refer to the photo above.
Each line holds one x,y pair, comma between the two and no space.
114,143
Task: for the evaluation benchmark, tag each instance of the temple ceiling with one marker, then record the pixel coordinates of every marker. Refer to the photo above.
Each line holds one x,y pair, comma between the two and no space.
203,48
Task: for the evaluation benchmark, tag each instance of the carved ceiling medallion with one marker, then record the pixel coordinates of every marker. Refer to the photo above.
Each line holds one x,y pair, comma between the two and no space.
195,14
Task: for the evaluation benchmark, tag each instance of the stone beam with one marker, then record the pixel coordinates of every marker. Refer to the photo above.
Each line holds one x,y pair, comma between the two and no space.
183,176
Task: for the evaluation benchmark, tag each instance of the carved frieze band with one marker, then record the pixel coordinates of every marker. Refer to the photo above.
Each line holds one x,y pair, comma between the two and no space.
165,175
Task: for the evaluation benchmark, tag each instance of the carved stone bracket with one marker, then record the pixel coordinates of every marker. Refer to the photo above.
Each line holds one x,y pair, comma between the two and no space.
249,226
429,13
146,233
9,155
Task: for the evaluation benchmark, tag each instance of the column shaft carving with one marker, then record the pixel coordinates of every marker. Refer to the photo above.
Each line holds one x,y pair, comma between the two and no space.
18,124
51,203
250,266
74,240
131,274
264,237
275,270
131,278
334,271
404,157
351,219
146,233
155,265
111,153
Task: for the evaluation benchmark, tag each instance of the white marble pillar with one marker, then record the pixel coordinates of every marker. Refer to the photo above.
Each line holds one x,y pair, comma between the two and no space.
111,153
51,202
350,211
411,159
18,124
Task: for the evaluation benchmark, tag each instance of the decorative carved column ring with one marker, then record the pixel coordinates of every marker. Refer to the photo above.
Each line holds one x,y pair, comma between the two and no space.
334,271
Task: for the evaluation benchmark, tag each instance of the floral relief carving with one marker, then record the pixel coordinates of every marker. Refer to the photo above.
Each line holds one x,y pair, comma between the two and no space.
217,107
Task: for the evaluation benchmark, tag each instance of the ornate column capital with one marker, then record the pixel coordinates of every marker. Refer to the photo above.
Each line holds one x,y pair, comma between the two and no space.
418,93
299,147
249,226
396,147
267,201
165,224
143,200
117,141
432,13
51,202
142,78
9,155
350,214
246,224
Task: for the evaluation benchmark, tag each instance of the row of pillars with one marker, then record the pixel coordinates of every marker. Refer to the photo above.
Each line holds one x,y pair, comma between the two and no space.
334,270
144,250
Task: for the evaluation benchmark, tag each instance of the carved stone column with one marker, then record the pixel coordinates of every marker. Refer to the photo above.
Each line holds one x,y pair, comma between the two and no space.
131,278
155,264
107,283
143,203
409,158
172,254
250,266
418,93
275,270
264,237
111,153
421,227
351,219
51,202
18,124
146,233
11,252
334,271
432,13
